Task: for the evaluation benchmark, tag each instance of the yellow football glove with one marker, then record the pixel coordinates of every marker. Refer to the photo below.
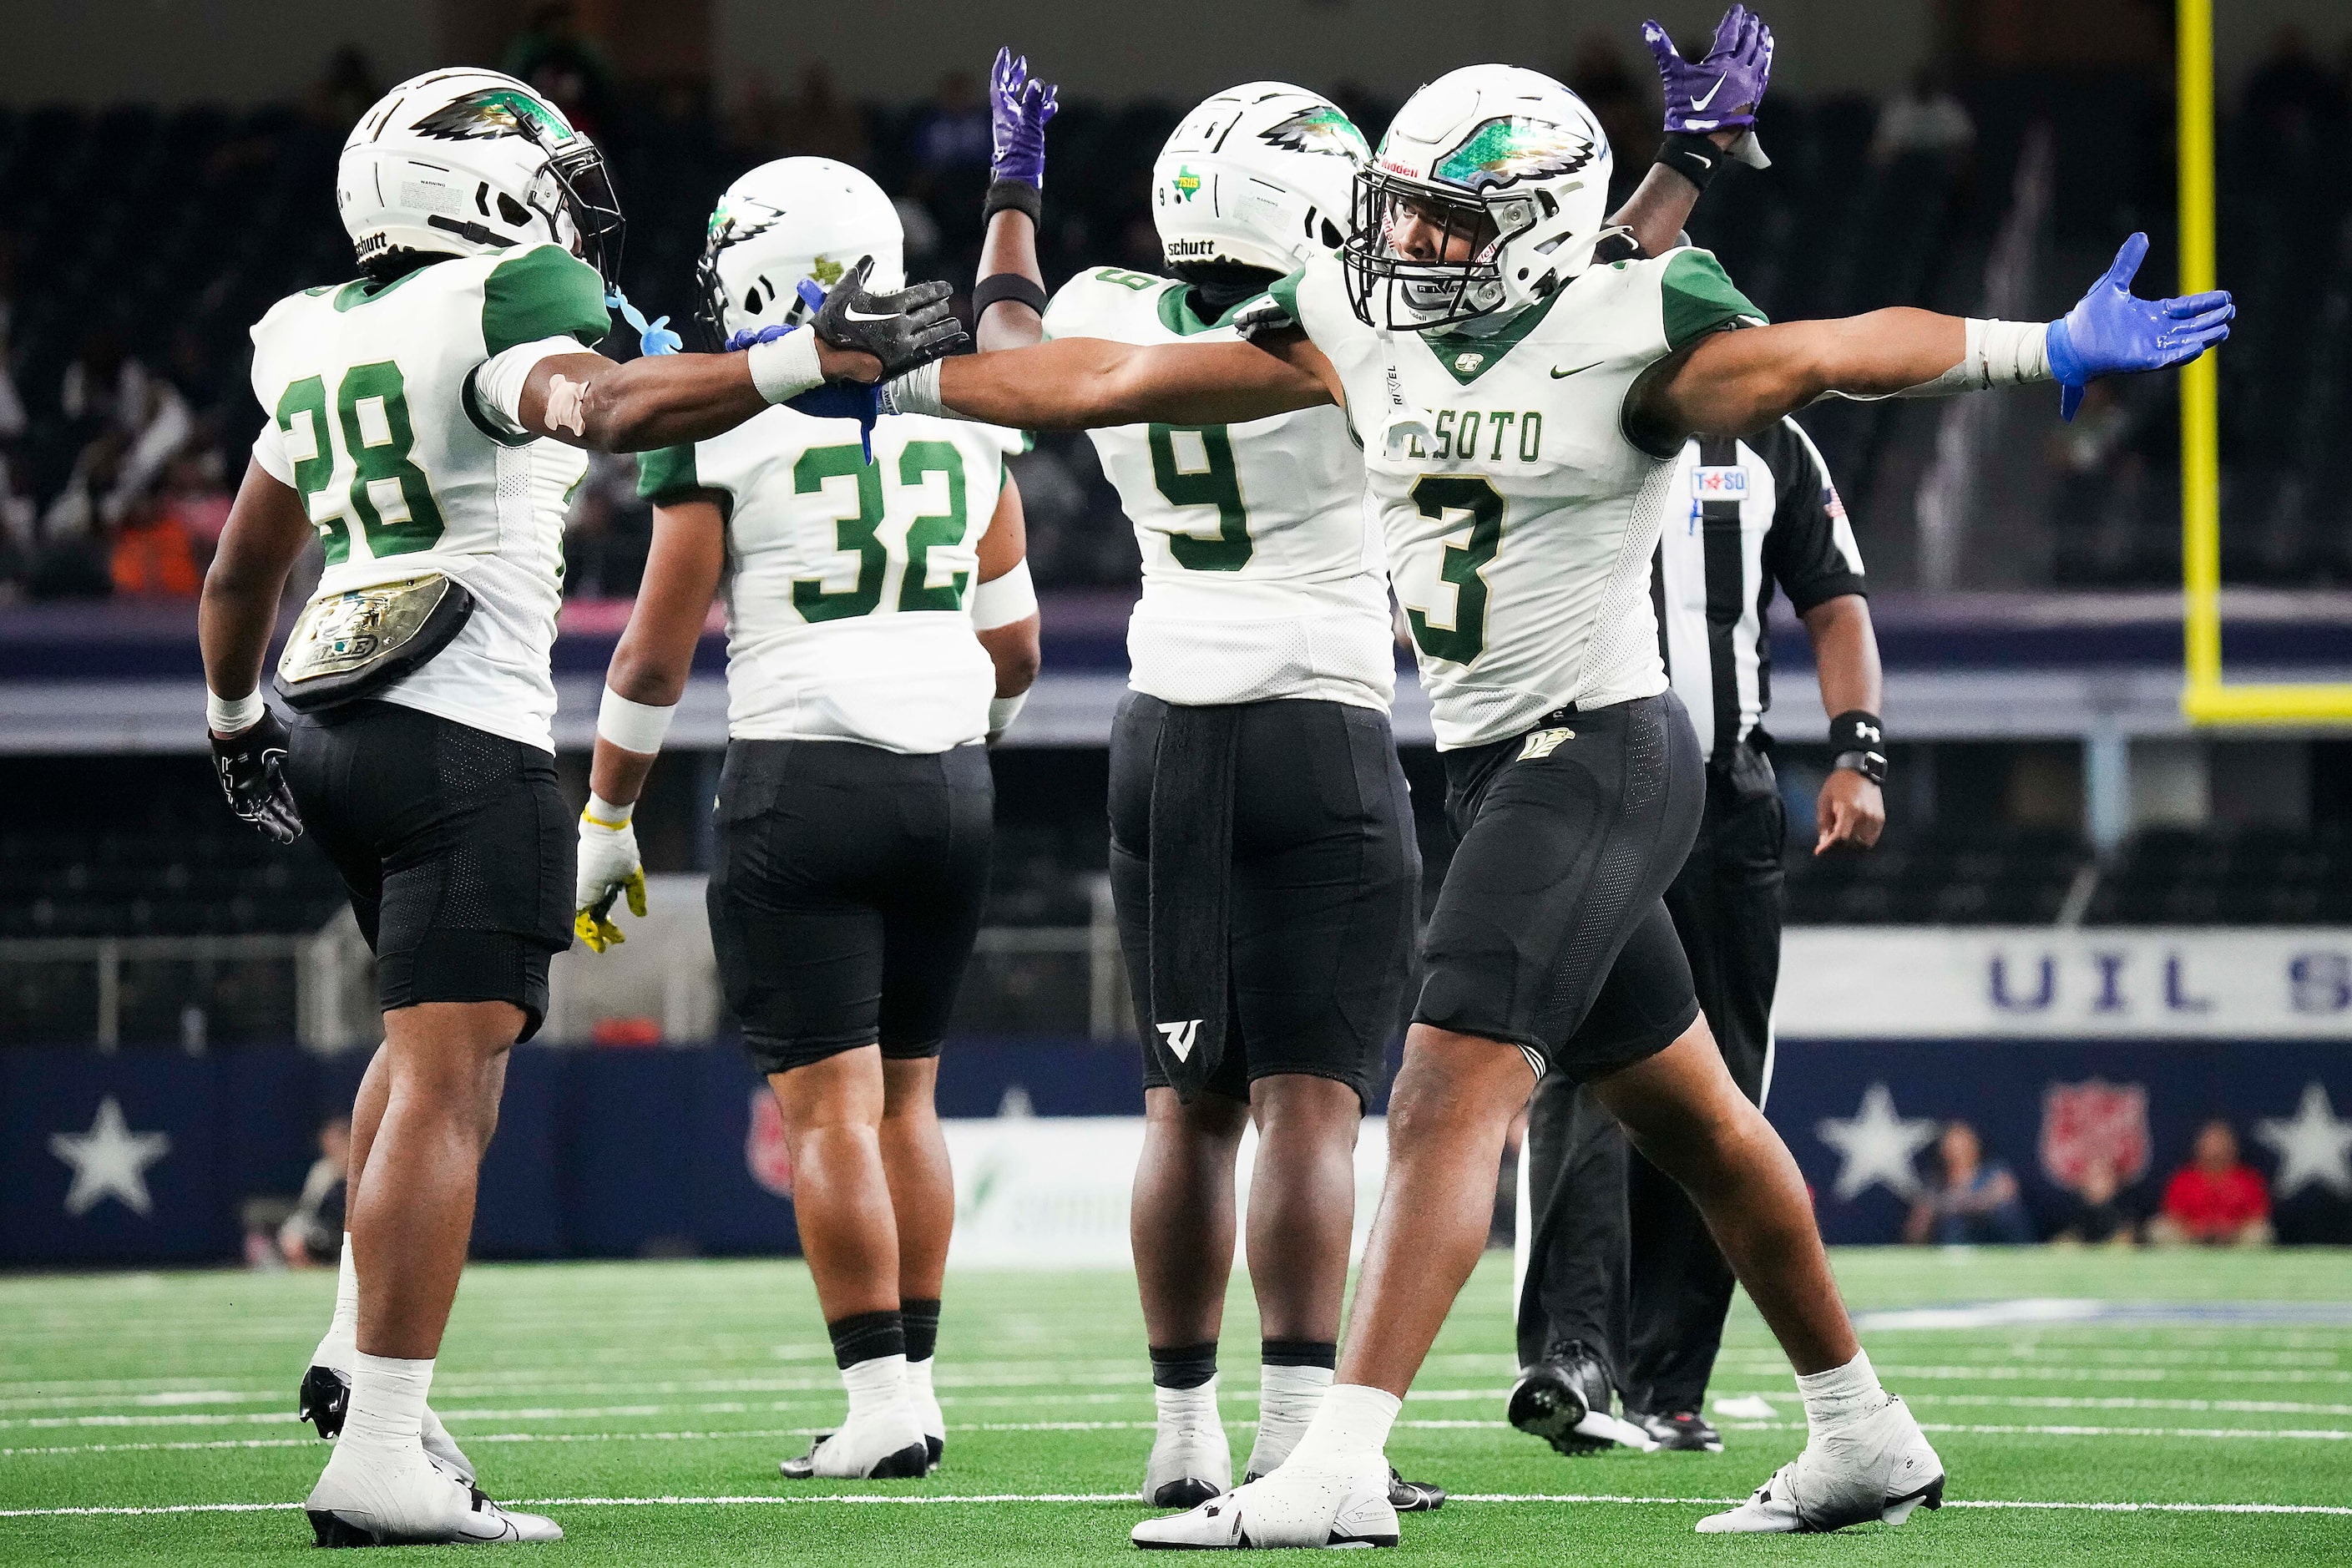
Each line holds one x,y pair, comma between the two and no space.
609,868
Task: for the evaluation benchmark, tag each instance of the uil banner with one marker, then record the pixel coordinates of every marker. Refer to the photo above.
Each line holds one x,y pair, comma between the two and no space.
2042,982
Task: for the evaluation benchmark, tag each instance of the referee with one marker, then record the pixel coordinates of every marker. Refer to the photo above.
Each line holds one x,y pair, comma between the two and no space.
1624,1286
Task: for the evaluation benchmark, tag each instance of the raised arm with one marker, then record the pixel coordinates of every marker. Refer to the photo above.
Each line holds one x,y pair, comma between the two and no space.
1009,297
1711,105
1733,382
1084,384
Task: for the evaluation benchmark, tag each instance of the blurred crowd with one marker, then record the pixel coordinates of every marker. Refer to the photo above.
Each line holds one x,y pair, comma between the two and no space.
2214,1198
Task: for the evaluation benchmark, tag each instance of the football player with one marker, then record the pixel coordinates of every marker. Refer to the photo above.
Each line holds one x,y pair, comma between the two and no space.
1261,667
1520,406
424,422
882,625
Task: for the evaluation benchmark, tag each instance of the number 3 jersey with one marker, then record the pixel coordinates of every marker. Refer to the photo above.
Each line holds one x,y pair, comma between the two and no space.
849,615
1520,520
376,421
1263,573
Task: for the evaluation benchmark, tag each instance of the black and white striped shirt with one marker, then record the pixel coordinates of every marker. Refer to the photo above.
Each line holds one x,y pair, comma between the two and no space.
1747,515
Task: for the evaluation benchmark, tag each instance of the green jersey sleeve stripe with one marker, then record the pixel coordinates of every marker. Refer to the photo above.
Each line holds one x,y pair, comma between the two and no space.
1699,296
667,473
1285,294
545,293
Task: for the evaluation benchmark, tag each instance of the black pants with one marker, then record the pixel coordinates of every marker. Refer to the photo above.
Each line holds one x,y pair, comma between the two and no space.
1619,1258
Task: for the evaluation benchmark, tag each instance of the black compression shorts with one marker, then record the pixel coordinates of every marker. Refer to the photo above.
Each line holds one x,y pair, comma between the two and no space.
1550,933
846,894
454,845
1325,874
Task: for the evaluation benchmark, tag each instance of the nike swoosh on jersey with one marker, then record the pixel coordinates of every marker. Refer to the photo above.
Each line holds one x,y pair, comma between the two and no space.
1699,104
1560,375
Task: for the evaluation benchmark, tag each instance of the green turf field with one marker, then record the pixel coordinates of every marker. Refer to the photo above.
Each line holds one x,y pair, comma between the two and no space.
645,1406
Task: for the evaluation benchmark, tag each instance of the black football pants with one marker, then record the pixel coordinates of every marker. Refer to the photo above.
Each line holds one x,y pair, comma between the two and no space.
1619,1257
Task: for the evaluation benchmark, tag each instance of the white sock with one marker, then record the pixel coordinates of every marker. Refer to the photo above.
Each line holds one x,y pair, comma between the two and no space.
918,1379
1188,1406
1839,1394
341,1342
877,1383
1351,1427
387,1402
1289,1397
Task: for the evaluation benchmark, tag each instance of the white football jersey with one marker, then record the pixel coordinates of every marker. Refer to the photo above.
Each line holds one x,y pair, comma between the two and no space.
1520,521
849,617
1263,573
374,421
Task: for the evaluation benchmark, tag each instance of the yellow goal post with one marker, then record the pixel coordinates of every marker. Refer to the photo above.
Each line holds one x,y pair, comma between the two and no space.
2205,697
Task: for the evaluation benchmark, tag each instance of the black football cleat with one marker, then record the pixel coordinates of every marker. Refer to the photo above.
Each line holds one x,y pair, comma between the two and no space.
323,1400
1552,1398
1683,1431
1413,1497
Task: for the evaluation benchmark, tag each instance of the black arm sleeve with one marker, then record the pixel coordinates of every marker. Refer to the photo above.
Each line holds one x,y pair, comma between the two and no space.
1810,550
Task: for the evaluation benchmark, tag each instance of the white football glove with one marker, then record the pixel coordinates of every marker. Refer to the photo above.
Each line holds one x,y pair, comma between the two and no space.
609,867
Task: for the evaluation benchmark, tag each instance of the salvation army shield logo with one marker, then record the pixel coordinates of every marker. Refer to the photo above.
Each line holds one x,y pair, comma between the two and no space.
2096,1122
765,1152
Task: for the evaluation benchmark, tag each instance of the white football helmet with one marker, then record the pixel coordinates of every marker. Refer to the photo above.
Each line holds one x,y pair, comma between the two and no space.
1259,176
791,219
1503,166
466,161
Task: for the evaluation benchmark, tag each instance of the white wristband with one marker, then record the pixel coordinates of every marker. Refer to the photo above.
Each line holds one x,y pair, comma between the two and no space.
917,392
1001,710
1000,601
605,814
227,715
1998,353
633,726
786,366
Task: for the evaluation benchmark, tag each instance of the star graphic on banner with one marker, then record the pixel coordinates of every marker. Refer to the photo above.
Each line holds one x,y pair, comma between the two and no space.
1877,1145
2312,1145
110,1161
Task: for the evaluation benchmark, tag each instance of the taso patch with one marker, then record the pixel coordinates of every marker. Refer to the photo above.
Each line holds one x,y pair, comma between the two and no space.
1719,484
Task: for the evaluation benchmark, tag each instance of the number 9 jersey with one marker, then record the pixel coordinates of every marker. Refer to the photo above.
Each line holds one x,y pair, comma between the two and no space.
376,421
1263,572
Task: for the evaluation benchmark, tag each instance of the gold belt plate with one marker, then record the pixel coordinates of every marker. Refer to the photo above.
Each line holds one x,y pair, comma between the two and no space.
342,631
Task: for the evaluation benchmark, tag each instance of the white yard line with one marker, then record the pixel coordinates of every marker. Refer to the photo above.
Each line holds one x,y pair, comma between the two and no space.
1126,1499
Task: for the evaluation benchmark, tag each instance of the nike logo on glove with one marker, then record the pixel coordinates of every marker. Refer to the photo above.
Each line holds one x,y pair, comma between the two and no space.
854,314
1699,104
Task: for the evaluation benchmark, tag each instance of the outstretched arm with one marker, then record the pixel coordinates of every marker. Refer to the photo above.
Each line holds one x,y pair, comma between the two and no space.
1736,382
1009,298
1084,384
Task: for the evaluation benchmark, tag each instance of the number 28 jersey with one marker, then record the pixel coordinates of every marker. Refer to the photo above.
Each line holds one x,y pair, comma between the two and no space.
1263,573
849,617
1521,518
374,420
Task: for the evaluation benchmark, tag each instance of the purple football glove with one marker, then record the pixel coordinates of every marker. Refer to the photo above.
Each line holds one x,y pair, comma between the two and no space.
1018,107
1721,91
2113,331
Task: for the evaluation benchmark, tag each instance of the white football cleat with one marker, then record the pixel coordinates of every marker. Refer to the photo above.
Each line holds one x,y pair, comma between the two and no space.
1292,1507
1877,1466
881,1444
934,1423
1190,1461
401,1498
325,1398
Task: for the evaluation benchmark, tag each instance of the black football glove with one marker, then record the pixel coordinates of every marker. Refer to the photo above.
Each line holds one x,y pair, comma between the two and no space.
905,331
252,768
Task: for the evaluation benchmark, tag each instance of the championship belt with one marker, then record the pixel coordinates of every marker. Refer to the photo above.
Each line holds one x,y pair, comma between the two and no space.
350,644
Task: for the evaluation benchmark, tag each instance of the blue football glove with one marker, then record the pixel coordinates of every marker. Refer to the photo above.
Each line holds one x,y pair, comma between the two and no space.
836,399
2113,331
653,337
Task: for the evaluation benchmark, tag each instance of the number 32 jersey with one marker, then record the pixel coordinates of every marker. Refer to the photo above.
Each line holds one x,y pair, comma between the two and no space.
1520,520
373,419
1263,573
849,617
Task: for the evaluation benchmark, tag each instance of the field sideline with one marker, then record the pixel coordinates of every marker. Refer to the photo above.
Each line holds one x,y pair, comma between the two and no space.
2093,1408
